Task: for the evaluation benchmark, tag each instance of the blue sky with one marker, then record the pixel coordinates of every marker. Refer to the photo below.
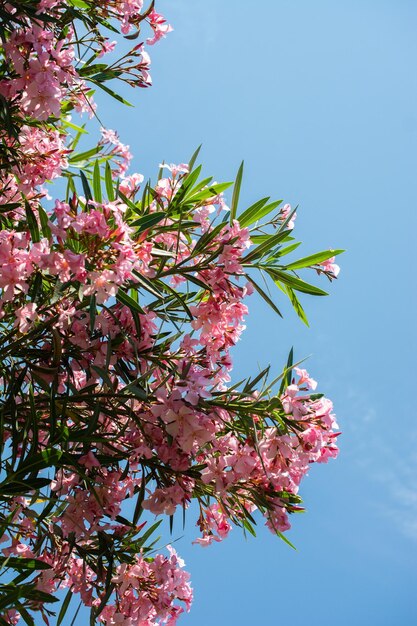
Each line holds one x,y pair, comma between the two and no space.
320,99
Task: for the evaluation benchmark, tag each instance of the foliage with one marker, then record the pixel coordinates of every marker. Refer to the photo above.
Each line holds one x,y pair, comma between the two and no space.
119,305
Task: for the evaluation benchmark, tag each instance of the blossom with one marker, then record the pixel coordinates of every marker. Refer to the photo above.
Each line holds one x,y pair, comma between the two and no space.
330,267
25,316
159,26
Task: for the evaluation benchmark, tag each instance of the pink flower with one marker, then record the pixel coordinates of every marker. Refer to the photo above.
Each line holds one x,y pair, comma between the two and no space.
106,47
331,267
159,26
89,460
305,379
25,316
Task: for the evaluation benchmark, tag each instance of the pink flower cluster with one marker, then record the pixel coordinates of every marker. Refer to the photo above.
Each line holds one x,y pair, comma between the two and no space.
43,73
120,317
148,592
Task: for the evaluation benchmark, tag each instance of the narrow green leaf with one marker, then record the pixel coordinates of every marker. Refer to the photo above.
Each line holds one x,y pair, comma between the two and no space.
22,487
210,192
24,614
109,182
64,607
114,95
295,283
147,285
83,156
264,295
136,390
236,193
23,563
149,220
43,217
86,187
194,158
141,496
257,211
250,214
80,129
313,259
286,381
294,301
104,374
248,526
288,220
32,223
266,246
93,312
187,183
178,297
97,182
95,68
285,540
148,533
128,301
284,251
79,4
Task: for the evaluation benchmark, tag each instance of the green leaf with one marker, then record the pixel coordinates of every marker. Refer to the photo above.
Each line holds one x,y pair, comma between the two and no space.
128,301
148,533
286,380
288,220
114,95
313,259
136,390
141,496
178,297
198,187
210,192
149,220
266,246
92,312
247,217
295,283
32,223
97,182
258,210
147,285
83,156
64,607
23,564
194,158
264,295
104,374
80,4
188,182
80,129
248,526
45,459
236,193
285,540
43,217
109,182
86,187
22,487
95,68
284,251
25,615
295,303
205,239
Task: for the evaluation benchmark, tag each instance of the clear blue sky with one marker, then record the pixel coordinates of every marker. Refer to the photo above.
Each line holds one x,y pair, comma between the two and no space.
320,99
